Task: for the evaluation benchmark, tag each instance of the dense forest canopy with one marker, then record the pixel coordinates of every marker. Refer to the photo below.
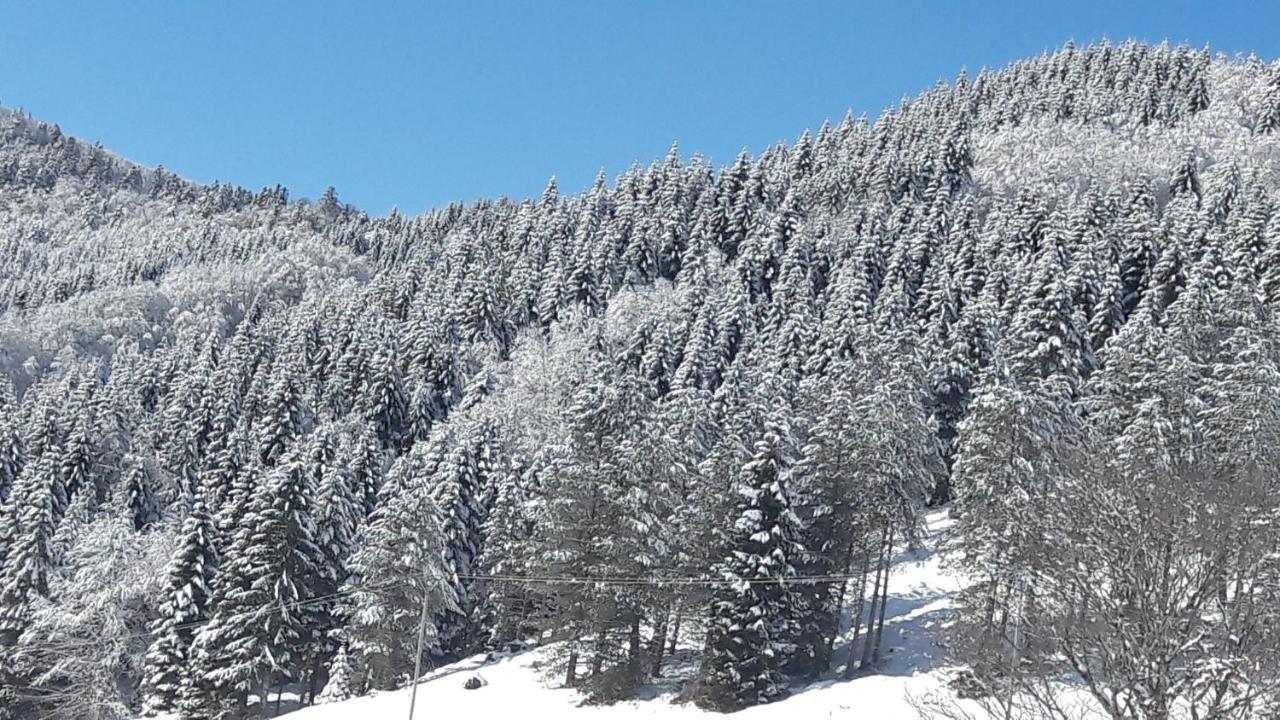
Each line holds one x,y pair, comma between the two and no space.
246,440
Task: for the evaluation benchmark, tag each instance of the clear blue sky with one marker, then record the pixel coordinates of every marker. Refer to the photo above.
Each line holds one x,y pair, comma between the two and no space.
415,104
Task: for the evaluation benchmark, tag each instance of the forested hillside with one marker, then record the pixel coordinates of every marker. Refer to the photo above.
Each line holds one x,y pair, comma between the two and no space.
248,442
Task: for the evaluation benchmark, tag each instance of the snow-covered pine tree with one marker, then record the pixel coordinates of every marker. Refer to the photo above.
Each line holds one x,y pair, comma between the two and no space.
337,511
12,451
341,678
383,401
283,414
462,490
262,622
753,608
187,602
399,571
30,556
506,607
582,515
139,494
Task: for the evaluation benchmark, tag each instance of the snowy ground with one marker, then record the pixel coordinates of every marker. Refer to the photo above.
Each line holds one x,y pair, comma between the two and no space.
920,594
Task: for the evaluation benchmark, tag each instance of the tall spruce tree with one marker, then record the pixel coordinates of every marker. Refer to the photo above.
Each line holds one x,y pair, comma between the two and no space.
187,602
753,608
400,579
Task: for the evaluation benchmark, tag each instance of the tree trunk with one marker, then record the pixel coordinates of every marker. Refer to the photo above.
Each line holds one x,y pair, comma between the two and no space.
991,608
520,631
634,657
850,663
311,680
597,660
884,596
675,630
844,589
875,604
839,608
571,674
659,645
1003,605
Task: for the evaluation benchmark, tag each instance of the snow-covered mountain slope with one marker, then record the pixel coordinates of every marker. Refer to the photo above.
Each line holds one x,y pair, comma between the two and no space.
1049,294
921,589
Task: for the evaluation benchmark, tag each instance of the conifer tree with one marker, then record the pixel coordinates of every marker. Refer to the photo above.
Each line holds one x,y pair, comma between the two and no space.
187,603
507,605
12,453
30,556
282,415
460,489
383,398
341,678
262,624
752,619
139,493
399,572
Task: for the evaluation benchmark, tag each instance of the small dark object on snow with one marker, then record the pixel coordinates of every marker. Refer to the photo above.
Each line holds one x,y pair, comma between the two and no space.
474,682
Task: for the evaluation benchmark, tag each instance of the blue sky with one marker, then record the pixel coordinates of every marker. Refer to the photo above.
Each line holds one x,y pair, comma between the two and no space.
416,104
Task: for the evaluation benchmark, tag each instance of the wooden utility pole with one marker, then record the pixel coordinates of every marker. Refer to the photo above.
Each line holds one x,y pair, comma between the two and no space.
417,657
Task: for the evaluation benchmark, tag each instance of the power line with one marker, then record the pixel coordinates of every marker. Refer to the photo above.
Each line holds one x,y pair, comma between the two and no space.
661,581
544,580
69,645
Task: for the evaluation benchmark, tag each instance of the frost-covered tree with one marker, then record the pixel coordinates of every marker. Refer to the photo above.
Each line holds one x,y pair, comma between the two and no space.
187,602
401,580
753,608
30,555
262,622
507,606
81,655
139,492
461,490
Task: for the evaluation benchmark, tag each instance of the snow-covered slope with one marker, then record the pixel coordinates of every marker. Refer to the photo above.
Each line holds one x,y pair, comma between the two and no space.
920,595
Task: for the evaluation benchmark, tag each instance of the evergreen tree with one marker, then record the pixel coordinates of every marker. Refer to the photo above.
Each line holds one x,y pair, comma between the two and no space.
384,404
262,623
30,557
12,453
282,416
460,490
187,603
341,679
753,608
139,494
507,604
1047,338
400,580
